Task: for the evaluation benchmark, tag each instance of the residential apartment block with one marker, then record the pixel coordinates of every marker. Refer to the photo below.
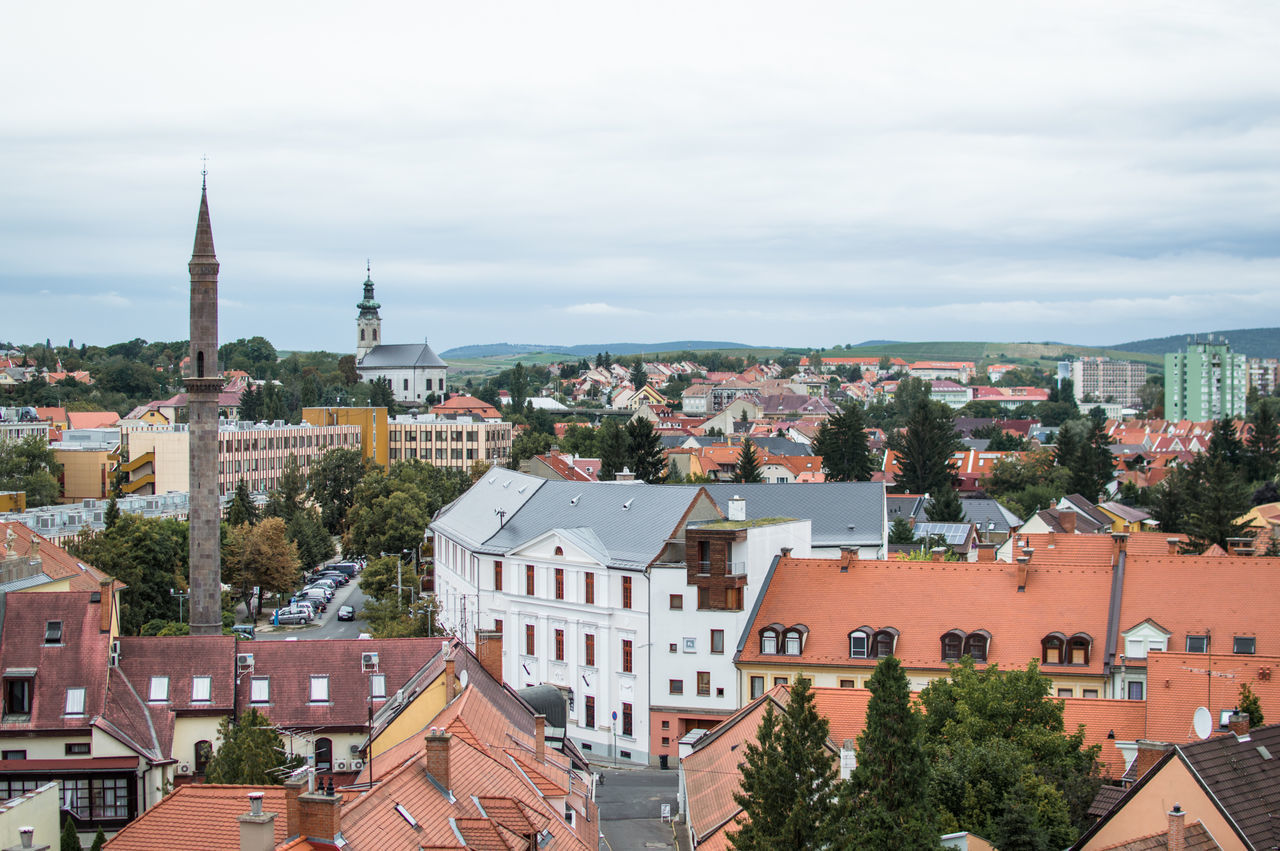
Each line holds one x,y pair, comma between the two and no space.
1207,381
1106,380
449,442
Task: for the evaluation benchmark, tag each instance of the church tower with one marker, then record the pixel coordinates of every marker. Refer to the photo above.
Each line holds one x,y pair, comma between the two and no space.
203,382
368,323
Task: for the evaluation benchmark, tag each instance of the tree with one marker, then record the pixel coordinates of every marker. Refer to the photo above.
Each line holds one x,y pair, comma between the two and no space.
747,470
885,803
30,465
242,509
382,396
332,482
519,387
612,444
391,510
1250,705
639,378
249,406
945,507
1216,496
70,839
1083,448
111,514
644,451
842,444
527,444
1225,443
788,777
260,556
315,545
901,532
1262,448
147,554
347,367
99,840
249,752
290,493
925,448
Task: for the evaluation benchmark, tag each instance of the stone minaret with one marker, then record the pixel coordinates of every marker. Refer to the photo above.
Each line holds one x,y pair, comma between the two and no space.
204,381
368,323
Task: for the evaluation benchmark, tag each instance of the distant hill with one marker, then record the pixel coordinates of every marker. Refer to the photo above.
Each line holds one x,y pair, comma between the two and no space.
493,350
1254,342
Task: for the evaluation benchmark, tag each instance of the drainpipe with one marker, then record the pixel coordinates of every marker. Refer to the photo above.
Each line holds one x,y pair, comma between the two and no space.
1113,618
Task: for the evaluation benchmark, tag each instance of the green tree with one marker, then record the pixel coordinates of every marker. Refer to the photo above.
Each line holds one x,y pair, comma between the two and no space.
147,554
842,444
945,507
1251,705
527,444
332,482
900,532
612,443
1215,498
788,777
382,396
747,470
1225,443
70,839
644,451
639,378
924,449
111,514
885,803
249,408
260,556
1262,448
249,753
99,840
30,465
519,387
290,493
1083,448
308,534
242,510
391,509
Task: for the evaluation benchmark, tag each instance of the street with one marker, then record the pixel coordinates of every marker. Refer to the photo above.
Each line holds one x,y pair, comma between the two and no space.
630,802
327,624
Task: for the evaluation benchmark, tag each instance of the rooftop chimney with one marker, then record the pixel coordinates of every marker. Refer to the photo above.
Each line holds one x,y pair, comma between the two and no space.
1022,572
1067,520
1149,753
437,755
625,476
737,508
1238,723
987,553
938,553
1173,545
1119,543
489,651
257,829
450,681
540,736
1177,829
1051,540
105,604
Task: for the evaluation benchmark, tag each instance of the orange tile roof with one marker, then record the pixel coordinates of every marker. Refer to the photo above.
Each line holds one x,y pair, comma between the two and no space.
924,600
1100,717
214,807
466,405
1178,683
93,419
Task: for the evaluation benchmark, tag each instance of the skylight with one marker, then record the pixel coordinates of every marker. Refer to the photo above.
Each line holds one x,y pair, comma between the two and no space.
404,814
159,690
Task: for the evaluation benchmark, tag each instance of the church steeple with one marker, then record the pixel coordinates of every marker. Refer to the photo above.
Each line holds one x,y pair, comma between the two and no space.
368,322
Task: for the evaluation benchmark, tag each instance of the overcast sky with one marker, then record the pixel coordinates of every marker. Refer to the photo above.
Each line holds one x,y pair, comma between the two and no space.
780,173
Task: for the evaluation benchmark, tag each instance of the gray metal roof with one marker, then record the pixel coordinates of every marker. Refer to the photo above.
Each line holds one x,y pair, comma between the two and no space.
841,513
475,516
980,512
401,355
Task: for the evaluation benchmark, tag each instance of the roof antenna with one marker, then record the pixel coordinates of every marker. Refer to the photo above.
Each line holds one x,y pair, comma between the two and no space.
204,172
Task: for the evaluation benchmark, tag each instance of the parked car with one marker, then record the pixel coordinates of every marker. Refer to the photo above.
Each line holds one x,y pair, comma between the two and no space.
309,607
328,592
350,568
323,583
346,613
291,614
315,597
338,578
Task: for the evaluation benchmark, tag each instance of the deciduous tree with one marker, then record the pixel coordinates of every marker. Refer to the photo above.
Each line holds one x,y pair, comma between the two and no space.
30,465
332,483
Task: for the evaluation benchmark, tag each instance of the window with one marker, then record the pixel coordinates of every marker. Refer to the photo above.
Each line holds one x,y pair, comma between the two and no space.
1244,644
497,576
76,749
677,601
848,684
98,798
159,690
1066,691
757,687
626,592
626,719
529,645
589,589
1051,649
1090,692
528,580
857,645
882,643
779,681
704,684
1197,644
975,646
672,647
589,650
7,755
260,690
17,696
75,701
626,656
559,645
203,753
378,686
53,632
324,754
675,686
717,641
666,741
951,644
589,712
768,641
559,583
319,688
1135,690
704,597
793,644
201,689
1080,649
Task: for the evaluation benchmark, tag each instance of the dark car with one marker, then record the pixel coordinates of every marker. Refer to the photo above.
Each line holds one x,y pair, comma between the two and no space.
346,613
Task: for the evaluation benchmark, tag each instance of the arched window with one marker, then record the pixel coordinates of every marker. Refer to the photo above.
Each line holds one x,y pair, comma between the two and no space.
559,551
1079,649
362,335
204,753
768,641
952,643
859,641
199,364
794,640
375,335
976,644
882,643
1053,648
324,755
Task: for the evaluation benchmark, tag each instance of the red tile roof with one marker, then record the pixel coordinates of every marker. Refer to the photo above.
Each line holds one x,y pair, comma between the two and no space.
211,809
467,405
93,419
55,562
1178,683
1101,717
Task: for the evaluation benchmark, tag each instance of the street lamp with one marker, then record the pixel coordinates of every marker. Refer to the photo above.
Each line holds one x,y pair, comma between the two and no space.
181,595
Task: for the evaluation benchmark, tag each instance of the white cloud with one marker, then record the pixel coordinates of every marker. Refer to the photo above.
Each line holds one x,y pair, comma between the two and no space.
599,308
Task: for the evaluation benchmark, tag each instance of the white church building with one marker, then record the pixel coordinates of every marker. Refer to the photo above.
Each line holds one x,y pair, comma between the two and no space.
414,370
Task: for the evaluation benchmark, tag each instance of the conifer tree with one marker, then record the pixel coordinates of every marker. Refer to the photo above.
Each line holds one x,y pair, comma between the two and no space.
612,443
1262,448
788,777
901,532
70,839
639,378
945,507
842,444
99,840
748,469
249,753
111,514
1249,703
925,448
242,510
644,451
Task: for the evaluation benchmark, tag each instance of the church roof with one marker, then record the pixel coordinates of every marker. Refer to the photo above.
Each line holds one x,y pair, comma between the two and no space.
400,355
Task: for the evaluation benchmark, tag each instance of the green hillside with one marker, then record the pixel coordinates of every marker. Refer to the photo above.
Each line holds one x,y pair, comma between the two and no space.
1254,342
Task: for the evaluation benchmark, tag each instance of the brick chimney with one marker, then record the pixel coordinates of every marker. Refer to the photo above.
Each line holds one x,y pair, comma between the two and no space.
1149,753
1173,545
315,815
1238,723
625,476
1119,543
1051,539
257,829
938,553
489,651
293,789
540,737
1177,829
104,590
1022,572
437,755
450,681
987,553
1067,520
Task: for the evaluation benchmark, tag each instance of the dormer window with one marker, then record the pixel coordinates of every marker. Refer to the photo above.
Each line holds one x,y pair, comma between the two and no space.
858,642
976,643
1052,648
794,640
768,642
882,643
952,645
53,632
201,689
1079,649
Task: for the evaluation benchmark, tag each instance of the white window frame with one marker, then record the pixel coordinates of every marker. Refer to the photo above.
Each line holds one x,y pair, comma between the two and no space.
378,686
260,690
159,690
75,701
319,688
202,689
866,645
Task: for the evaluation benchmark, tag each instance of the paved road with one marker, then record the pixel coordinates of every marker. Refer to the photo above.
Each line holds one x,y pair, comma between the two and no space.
630,804
327,624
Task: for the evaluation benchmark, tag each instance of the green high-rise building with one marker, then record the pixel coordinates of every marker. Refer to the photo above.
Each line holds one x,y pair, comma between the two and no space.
1205,382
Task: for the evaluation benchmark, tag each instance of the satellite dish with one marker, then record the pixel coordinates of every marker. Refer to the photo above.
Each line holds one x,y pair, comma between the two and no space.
1202,721
462,679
